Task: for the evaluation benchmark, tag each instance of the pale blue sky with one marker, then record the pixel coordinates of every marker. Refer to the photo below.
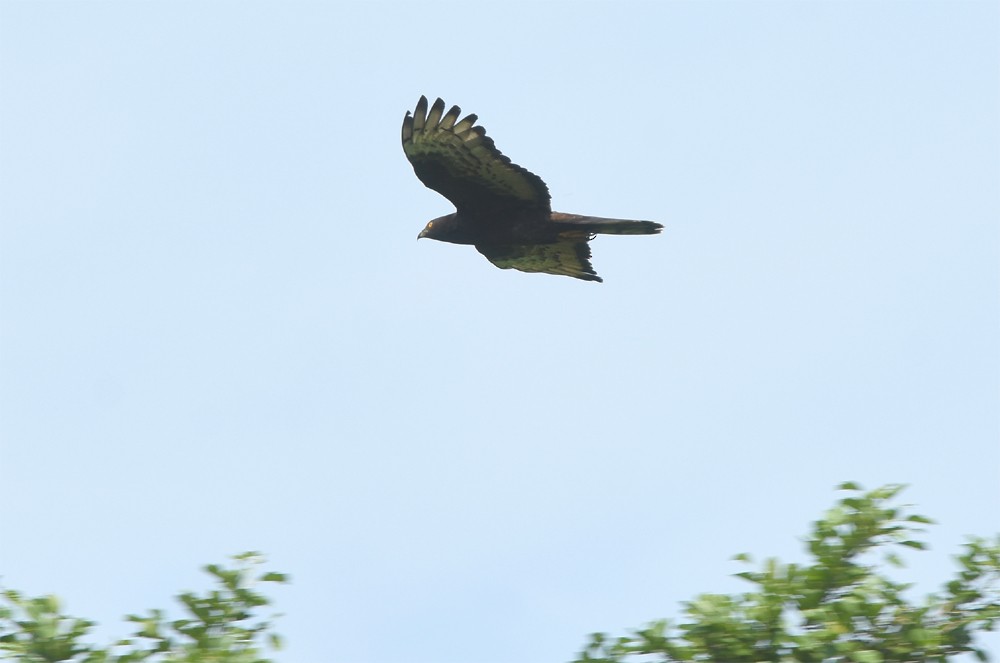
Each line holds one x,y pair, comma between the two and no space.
218,333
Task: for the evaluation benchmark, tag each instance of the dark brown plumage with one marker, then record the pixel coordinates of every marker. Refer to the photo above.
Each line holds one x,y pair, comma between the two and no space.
501,208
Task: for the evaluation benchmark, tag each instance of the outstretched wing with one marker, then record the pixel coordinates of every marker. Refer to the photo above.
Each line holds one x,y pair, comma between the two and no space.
568,257
459,161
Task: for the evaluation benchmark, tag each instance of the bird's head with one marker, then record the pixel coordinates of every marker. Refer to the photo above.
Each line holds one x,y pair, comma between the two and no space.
440,228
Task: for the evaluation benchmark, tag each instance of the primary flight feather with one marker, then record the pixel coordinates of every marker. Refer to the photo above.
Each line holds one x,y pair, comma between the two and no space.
500,208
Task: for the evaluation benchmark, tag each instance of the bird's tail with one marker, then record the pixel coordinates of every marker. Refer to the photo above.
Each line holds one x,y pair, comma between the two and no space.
604,226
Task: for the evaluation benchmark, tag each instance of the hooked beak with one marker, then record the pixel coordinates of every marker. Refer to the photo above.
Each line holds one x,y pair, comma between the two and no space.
423,233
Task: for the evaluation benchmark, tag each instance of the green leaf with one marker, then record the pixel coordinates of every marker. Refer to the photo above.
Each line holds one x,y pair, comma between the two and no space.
920,519
276,577
894,560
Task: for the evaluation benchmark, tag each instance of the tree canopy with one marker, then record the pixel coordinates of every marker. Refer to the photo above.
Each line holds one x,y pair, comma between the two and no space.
839,607
220,626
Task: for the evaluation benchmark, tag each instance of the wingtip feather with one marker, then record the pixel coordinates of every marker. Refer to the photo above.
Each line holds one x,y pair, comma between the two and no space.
435,115
420,114
407,129
448,121
466,123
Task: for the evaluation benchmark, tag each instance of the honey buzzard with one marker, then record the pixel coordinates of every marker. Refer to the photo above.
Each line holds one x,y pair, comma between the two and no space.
501,208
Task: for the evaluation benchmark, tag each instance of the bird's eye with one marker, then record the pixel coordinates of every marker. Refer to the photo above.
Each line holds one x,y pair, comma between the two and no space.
430,224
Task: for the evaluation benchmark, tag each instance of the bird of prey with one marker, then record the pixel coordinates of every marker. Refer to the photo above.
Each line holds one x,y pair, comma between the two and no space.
501,208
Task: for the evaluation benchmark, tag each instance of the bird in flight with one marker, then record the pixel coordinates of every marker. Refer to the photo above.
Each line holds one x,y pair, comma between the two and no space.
501,208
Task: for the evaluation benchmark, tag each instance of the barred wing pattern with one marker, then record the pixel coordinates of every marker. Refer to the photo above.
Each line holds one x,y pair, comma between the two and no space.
567,257
458,160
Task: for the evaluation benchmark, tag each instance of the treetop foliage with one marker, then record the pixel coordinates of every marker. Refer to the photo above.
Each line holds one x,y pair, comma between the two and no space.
221,626
839,607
